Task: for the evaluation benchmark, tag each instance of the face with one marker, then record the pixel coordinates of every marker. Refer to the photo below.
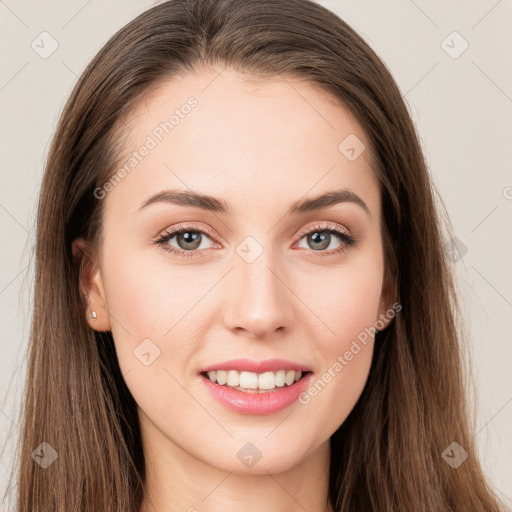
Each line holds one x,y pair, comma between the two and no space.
258,284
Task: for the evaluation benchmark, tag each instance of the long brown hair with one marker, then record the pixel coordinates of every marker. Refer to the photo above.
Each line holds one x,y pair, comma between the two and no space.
387,455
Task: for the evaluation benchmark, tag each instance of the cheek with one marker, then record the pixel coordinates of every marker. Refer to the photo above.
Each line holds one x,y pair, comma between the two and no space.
158,313
148,304
148,296
142,307
348,307
346,301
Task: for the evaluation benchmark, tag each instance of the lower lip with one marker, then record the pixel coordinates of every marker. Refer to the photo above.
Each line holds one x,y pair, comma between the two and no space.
257,403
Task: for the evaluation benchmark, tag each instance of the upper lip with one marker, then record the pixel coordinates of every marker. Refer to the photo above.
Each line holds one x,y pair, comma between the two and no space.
249,365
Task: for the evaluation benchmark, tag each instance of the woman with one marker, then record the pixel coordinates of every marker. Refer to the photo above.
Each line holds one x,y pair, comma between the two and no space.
241,296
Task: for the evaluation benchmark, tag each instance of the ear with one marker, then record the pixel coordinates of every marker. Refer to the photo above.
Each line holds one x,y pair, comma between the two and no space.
389,305
91,285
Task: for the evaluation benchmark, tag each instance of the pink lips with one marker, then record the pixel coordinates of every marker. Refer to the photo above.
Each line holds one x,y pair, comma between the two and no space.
257,403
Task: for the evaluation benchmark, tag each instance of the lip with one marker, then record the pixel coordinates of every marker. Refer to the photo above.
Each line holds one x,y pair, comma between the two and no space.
248,365
257,403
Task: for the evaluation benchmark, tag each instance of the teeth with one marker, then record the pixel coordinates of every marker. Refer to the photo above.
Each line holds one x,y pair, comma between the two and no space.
233,378
222,377
254,381
266,380
248,380
280,378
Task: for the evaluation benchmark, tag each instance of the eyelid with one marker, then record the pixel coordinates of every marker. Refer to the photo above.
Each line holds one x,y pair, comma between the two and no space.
169,232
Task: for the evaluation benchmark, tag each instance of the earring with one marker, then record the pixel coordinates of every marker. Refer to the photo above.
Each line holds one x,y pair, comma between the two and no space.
92,315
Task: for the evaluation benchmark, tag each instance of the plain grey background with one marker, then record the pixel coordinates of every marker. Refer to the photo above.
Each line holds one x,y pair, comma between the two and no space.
451,59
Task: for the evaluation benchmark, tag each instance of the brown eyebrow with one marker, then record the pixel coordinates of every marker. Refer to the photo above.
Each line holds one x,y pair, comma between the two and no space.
212,204
326,200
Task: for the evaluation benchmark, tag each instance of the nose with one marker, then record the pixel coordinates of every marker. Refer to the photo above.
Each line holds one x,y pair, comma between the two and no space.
260,299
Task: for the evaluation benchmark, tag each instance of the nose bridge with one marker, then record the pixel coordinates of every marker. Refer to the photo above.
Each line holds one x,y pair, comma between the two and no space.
260,301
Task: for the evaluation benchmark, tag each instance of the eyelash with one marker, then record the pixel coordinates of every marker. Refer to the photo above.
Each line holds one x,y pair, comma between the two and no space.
325,227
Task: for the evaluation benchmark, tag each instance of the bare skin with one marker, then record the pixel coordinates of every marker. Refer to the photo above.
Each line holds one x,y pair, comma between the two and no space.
260,147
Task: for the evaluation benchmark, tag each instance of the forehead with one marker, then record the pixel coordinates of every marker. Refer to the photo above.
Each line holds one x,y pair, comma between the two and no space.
244,139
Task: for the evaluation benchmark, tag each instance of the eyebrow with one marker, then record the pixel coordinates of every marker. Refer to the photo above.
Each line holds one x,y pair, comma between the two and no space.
212,204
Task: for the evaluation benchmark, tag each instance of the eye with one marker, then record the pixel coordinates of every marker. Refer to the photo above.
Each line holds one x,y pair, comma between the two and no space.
324,236
185,241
